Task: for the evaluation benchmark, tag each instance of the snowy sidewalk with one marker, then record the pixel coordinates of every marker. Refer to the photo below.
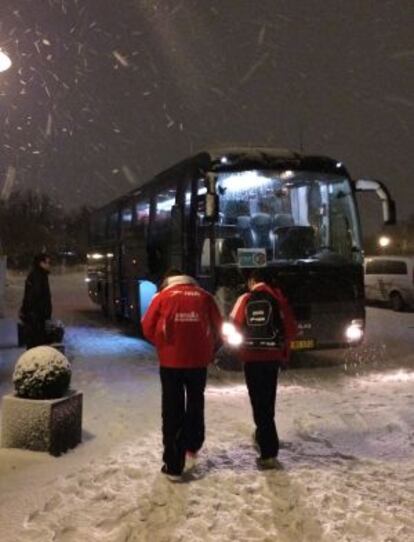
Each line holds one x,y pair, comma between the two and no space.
348,458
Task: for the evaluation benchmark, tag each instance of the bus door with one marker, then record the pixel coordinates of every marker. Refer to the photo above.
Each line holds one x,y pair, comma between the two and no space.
217,249
202,234
205,264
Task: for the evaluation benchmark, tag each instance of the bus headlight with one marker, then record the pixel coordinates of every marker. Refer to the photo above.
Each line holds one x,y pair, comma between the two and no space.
355,331
231,335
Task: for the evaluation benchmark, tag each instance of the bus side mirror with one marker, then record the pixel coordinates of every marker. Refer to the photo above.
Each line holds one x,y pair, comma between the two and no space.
388,204
212,207
392,213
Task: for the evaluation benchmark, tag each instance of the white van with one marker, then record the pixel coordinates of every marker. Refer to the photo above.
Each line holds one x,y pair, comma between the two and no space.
390,279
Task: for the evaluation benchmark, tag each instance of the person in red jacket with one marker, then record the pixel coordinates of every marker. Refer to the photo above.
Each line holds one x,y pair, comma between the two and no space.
184,323
268,326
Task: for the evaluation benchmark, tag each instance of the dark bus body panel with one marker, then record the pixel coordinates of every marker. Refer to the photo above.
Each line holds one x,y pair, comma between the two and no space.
325,300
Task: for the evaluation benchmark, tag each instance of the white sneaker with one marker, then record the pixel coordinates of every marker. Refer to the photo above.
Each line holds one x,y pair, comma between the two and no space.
175,477
171,477
190,460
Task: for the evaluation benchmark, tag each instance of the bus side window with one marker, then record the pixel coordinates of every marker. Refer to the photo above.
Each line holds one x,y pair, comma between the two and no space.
113,224
142,214
159,242
195,201
126,219
164,203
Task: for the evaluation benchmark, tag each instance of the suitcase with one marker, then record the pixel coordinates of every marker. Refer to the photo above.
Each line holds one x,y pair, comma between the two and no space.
54,332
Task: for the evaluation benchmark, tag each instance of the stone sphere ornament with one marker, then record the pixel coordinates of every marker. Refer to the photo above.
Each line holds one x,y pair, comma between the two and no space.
42,373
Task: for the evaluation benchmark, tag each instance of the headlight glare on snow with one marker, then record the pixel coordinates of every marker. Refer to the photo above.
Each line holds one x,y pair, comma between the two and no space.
354,332
231,335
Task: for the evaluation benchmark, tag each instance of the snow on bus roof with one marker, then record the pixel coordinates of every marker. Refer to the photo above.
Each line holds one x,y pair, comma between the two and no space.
217,157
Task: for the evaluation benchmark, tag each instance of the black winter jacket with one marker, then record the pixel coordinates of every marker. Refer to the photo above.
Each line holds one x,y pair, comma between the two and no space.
37,304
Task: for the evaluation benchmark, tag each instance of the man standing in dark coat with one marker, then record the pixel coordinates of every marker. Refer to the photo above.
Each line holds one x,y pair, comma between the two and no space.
37,305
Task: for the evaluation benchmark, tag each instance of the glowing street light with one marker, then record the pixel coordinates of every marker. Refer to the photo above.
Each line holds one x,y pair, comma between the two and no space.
384,241
5,62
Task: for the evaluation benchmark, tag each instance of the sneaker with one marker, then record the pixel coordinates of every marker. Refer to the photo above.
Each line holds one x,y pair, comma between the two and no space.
269,463
172,477
190,460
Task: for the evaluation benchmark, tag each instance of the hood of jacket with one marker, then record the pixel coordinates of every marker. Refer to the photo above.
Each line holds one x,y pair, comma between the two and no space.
178,280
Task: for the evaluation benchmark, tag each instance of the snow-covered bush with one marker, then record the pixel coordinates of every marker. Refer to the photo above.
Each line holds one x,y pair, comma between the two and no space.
42,373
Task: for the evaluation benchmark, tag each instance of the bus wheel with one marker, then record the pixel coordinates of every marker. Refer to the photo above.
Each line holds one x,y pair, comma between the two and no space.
397,302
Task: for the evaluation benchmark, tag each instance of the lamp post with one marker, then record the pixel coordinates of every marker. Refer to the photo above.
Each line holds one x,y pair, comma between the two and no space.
5,62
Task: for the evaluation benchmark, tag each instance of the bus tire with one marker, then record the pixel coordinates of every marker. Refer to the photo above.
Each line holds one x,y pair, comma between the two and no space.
397,302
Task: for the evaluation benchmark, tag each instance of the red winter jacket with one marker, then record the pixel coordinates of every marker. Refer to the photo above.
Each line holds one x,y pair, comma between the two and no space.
184,323
238,316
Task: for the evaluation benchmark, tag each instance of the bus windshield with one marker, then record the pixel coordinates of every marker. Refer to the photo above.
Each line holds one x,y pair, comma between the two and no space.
294,216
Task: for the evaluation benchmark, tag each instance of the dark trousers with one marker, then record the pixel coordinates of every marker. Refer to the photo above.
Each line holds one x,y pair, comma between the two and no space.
182,414
35,333
261,380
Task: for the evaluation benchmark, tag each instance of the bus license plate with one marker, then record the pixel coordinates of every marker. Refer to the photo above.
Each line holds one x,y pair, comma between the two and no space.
302,344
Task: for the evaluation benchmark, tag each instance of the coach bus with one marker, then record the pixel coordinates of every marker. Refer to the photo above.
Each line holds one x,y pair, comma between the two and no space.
225,211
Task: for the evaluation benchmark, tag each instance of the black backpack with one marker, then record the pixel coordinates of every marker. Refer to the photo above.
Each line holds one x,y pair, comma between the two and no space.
263,327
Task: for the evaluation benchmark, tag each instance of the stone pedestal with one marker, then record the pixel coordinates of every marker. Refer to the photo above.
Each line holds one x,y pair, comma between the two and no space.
46,425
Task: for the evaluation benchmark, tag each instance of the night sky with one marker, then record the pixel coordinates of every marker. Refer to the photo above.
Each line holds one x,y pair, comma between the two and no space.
105,93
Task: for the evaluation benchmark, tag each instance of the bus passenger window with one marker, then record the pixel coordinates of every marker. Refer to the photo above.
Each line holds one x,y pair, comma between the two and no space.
113,225
142,212
165,202
126,218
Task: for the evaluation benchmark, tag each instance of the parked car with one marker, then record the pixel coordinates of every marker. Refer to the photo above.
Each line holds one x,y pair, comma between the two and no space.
390,279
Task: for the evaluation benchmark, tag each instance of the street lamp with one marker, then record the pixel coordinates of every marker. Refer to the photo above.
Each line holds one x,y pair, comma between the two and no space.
384,241
5,61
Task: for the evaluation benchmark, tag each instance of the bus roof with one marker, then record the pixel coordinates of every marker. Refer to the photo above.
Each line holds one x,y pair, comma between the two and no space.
223,158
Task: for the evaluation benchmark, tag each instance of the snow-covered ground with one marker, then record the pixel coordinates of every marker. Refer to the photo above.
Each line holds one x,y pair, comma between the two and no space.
346,421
